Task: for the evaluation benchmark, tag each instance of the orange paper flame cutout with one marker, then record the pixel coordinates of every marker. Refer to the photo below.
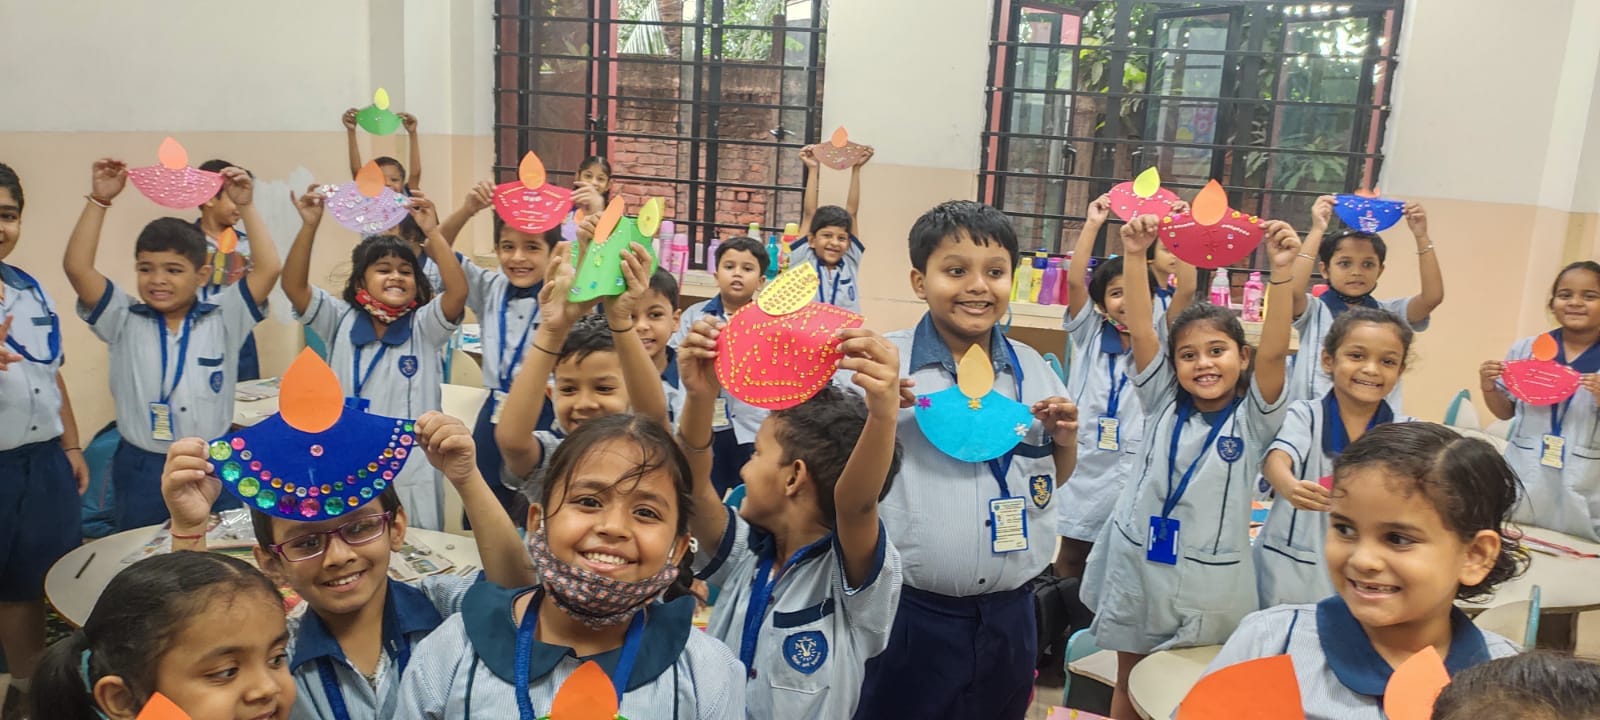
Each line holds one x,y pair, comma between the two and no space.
587,694
609,219
227,241
310,399
1262,689
531,171
1210,205
158,707
369,179
1415,686
840,137
172,155
1544,348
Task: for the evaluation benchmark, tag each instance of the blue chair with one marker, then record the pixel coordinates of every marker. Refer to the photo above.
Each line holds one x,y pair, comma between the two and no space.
1055,364
314,341
735,497
1081,645
1531,638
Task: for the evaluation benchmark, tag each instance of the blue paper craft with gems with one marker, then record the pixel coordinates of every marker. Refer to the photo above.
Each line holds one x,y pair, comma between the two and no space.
972,422
1367,212
320,456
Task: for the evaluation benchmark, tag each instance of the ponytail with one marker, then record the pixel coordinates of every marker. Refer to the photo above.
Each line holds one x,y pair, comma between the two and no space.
59,689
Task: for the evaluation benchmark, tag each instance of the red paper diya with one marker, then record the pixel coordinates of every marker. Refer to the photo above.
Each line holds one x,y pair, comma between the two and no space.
1540,380
530,203
780,350
1211,235
839,153
1143,196
172,183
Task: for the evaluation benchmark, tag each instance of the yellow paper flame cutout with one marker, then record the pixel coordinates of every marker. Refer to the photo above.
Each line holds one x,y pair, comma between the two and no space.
649,220
974,374
380,99
1147,183
789,292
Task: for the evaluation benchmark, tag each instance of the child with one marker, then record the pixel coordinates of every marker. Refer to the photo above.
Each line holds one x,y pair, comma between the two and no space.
1539,685
386,332
1352,262
40,454
217,214
206,631
963,642
173,357
349,652
1365,352
1171,567
591,188
830,242
654,319
606,534
394,174
740,264
1556,450
810,582
1418,521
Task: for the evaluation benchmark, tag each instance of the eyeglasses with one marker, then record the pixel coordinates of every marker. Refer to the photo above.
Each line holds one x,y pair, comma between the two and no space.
359,531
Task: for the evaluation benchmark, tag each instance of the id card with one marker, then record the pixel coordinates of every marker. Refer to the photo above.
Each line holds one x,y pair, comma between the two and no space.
719,414
1008,523
1162,546
1554,452
1110,434
499,399
160,421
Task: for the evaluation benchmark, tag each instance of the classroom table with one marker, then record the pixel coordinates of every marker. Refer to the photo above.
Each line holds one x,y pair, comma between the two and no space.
1567,584
1159,682
75,582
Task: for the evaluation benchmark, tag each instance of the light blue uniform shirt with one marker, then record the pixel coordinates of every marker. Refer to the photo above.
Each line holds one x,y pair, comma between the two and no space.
1565,499
1145,606
491,297
202,402
937,511
466,668
744,418
839,284
30,399
1341,676
1307,381
409,614
810,653
1100,367
400,375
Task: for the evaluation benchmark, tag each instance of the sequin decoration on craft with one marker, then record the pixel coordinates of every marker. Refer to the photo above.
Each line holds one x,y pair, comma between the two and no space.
599,268
1211,234
319,457
1264,688
530,203
366,205
586,694
377,118
782,349
1540,380
1363,210
838,152
1143,196
171,183
972,422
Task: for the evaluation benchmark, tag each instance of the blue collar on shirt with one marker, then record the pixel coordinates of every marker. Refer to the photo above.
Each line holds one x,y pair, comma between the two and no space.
1588,362
398,332
1360,668
198,309
1110,339
16,278
927,348
486,613
406,610
670,373
714,306
763,544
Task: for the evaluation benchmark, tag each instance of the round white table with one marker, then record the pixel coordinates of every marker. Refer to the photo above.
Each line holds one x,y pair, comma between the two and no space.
1566,584
1159,682
75,582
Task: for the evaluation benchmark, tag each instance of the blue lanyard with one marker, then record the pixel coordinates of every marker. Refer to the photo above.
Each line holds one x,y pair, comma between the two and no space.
838,274
506,369
355,367
55,335
1185,411
1116,386
1000,466
755,614
1558,414
183,354
399,649
619,676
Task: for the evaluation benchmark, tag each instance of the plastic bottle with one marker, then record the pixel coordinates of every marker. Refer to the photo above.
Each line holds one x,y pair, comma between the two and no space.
1040,262
1221,291
699,252
791,233
1050,288
1254,293
679,255
772,252
1022,280
663,239
711,254
1064,283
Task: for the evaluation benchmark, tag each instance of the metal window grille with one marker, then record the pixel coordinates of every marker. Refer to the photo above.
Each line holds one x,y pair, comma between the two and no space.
704,103
1280,102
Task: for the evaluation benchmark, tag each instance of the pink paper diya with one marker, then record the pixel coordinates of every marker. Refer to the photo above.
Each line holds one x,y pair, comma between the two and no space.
1211,235
530,203
172,183
1540,380
366,204
782,349
839,153
1142,196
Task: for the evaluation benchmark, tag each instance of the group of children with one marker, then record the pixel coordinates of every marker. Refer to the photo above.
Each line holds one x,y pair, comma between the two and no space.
863,575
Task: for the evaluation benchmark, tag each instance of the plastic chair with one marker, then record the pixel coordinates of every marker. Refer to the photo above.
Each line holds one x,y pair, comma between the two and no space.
735,497
1532,633
314,341
1055,364
1081,645
1461,412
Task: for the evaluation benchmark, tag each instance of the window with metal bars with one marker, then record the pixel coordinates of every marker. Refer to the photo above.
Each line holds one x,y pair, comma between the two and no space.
1279,102
704,103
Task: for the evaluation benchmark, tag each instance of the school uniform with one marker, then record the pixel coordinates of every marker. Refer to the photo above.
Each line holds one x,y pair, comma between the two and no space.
672,386
1306,380
549,441
1341,676
331,688
167,385
508,316
39,519
430,271
227,269
806,637
1290,567
1565,498
839,286
397,375
1172,568
468,666
964,638
734,423
1111,424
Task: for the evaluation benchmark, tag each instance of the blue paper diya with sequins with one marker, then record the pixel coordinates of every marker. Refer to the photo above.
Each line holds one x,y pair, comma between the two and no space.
1368,214
972,429
296,475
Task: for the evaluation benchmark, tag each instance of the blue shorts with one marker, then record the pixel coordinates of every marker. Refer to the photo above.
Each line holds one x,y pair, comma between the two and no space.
136,486
39,517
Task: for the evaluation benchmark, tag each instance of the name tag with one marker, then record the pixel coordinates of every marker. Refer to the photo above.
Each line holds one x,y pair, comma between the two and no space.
719,415
43,321
499,399
1110,434
1008,523
1554,452
1162,546
160,421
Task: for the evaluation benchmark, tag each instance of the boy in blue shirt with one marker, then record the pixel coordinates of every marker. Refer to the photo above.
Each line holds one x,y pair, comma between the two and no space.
654,319
173,356
217,214
966,598
830,242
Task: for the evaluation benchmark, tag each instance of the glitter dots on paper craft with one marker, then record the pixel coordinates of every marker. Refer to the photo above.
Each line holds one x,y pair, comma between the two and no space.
220,450
301,496
249,486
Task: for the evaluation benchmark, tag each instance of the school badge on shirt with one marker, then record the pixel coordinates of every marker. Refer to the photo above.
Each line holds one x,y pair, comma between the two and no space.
805,651
408,365
1230,448
1041,487
216,381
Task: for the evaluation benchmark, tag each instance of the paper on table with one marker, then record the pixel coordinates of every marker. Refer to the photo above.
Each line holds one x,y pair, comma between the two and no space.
1211,234
1367,212
1415,686
972,422
172,183
1143,196
839,153
586,694
1261,689
776,354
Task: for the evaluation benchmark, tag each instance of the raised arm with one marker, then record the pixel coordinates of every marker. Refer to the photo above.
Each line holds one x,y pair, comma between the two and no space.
696,357
520,451
453,300
189,486
107,180
448,444
852,203
264,260
414,179
639,373
1082,253
1137,237
876,364
808,203
297,266
1305,263
478,198
1423,305
1282,246
349,120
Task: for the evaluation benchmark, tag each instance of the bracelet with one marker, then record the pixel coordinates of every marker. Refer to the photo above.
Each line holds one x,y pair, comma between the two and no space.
79,449
1426,250
683,441
176,536
1270,281
542,349
626,329
104,204
1308,257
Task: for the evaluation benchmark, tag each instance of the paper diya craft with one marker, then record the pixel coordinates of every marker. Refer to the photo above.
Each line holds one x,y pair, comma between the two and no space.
159,707
172,183
972,422
1260,689
1365,211
1211,235
586,694
530,203
1540,380
599,267
1143,196
782,349
320,456
377,118
366,205
1414,687
838,152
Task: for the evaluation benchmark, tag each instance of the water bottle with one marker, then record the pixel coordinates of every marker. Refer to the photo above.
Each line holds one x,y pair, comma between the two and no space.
772,253
1221,291
1254,293
1050,287
1040,262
